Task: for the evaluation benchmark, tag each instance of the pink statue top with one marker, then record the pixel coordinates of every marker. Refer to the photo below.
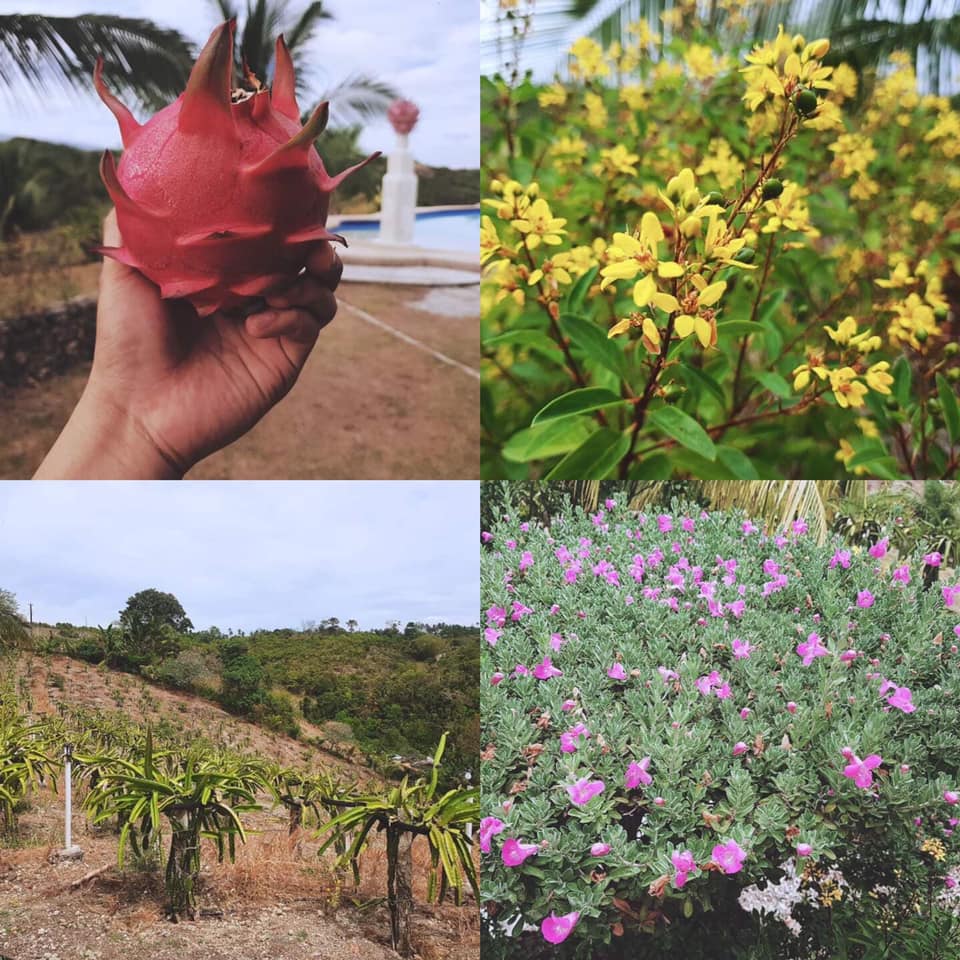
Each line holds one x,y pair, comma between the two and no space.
403,114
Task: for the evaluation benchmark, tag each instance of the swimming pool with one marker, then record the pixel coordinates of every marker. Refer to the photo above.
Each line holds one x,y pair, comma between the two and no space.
439,230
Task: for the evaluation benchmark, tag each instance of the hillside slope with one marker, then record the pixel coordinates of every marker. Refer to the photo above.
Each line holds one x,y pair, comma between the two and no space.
277,901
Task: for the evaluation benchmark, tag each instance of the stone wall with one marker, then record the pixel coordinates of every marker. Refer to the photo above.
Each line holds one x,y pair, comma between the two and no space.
39,345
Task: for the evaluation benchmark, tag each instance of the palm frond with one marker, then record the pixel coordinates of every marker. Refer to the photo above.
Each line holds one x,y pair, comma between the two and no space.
144,60
305,27
227,9
358,98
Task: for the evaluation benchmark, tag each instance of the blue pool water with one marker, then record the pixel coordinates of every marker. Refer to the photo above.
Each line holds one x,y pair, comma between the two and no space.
442,230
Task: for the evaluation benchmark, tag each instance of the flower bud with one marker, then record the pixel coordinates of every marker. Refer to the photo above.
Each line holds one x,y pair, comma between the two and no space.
691,198
533,190
819,48
691,227
772,189
806,103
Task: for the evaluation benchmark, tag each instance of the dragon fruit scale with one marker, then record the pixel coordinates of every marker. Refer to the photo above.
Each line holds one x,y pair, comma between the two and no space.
220,195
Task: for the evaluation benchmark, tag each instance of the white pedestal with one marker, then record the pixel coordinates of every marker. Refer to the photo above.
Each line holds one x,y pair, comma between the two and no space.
398,196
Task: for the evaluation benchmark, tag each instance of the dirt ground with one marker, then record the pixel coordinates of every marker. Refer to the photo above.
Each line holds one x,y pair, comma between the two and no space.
278,901
367,405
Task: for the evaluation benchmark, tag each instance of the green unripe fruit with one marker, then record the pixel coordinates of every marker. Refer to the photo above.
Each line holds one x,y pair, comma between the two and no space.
940,313
806,103
933,405
745,255
920,335
772,189
714,196
803,310
951,349
953,374
891,402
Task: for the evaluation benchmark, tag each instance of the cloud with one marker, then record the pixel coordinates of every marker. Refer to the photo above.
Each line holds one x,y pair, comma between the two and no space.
428,50
244,554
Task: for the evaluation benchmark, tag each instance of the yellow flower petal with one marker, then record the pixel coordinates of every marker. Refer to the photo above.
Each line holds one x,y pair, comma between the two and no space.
668,269
710,295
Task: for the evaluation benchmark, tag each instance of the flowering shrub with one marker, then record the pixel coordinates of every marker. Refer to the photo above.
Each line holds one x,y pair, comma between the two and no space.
700,263
705,740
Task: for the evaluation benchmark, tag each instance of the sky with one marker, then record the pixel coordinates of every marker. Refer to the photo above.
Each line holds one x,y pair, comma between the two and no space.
427,49
244,555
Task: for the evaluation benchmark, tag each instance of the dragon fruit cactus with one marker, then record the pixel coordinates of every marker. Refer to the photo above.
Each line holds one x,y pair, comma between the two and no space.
220,195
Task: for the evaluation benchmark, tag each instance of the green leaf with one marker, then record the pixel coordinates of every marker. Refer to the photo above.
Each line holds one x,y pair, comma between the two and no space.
695,378
737,328
685,430
594,458
951,410
548,439
594,343
577,401
655,467
772,306
738,463
578,292
774,383
535,339
902,378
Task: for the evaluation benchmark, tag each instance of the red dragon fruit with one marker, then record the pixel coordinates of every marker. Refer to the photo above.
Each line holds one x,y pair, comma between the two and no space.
220,195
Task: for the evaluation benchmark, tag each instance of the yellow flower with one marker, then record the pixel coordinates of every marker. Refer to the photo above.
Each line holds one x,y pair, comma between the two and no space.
801,374
538,224
877,377
789,211
635,97
899,278
845,330
588,61
552,272
641,30
700,61
867,427
849,391
630,255
698,316
489,240
854,153
846,453
844,81
618,159
722,163
597,116
781,66
911,316
553,96
924,212
503,274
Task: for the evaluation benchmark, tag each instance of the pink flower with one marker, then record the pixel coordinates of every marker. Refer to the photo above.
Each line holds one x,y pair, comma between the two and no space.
599,849
556,929
800,526
659,801
950,594
489,827
724,692
526,560
496,678
901,698
811,649
729,856
616,672
791,707
747,527
513,852
492,635
933,559
568,739
584,790
669,675
684,865
497,616
859,771
902,574
546,670
568,705
665,523
610,504
848,656
637,774
841,558
744,713
951,797
804,849
879,550
486,537
741,649
864,599
739,748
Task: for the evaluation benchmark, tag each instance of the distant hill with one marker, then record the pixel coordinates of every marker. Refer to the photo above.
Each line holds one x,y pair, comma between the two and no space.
389,692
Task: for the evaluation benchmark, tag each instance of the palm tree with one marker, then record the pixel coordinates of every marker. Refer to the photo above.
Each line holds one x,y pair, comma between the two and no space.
148,62
12,630
353,100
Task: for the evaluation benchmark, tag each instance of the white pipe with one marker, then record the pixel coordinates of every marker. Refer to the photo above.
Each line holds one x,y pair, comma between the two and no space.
69,799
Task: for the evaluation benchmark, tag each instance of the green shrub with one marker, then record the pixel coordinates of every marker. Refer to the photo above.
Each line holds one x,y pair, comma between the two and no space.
645,651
